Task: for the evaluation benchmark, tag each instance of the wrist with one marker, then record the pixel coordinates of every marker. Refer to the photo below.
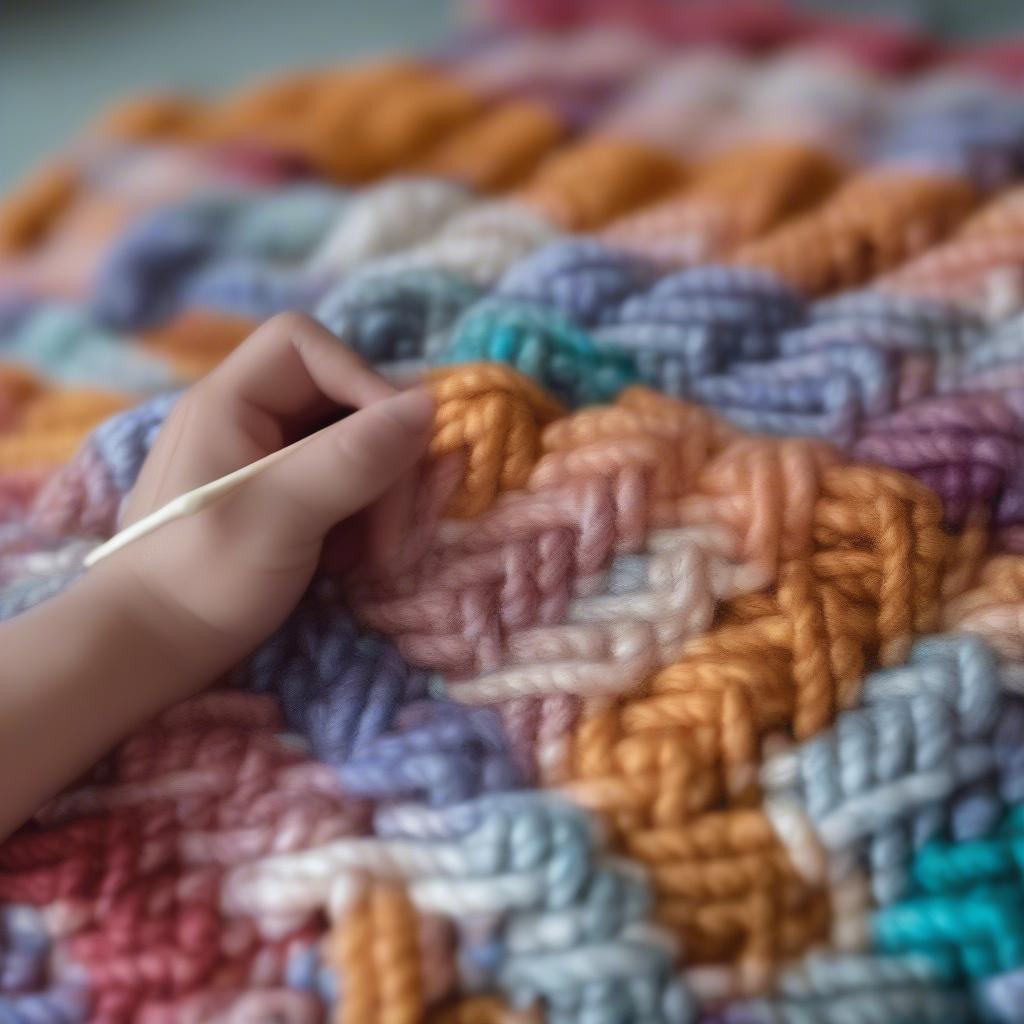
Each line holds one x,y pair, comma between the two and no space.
81,671
182,652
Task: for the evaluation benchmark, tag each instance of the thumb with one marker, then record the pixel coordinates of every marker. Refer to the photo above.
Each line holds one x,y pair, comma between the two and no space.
349,465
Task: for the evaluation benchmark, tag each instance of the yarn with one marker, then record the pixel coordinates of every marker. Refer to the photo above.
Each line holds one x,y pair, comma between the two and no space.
196,340
68,346
880,780
648,716
961,916
145,264
833,988
594,183
26,215
391,216
539,344
499,150
870,225
395,318
735,197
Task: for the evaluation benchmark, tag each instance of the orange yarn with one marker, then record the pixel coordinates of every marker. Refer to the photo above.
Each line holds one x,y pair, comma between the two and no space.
491,417
376,951
151,118
196,340
17,386
874,222
257,110
734,197
725,885
28,212
353,125
70,409
354,144
587,185
497,150
50,425
39,450
990,239
482,1010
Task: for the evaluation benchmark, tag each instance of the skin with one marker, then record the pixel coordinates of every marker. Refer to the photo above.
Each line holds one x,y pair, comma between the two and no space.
166,616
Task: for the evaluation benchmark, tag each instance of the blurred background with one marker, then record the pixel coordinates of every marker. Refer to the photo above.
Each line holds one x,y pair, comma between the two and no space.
61,61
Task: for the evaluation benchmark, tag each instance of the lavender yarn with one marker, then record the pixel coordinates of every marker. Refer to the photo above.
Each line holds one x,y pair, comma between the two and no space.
580,277
698,322
27,996
902,323
1001,348
982,141
365,712
252,289
13,311
140,283
339,688
967,448
441,753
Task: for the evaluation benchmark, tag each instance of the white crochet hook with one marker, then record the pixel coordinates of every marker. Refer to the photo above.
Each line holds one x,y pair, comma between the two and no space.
191,502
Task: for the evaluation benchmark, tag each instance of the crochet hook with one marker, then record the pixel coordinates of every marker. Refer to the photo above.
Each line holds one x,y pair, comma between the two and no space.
190,502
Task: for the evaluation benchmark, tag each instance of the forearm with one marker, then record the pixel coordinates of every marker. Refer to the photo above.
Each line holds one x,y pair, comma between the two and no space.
77,674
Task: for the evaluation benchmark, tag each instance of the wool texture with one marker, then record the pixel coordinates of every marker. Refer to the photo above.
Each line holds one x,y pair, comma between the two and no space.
692,692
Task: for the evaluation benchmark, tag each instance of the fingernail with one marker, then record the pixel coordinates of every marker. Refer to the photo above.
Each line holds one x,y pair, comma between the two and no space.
414,409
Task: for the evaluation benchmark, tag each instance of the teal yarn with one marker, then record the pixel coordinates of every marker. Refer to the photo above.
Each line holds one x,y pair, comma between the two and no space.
544,345
966,915
68,345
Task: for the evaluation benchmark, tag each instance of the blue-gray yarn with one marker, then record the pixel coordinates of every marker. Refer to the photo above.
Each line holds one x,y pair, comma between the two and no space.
396,317
123,441
140,283
286,225
920,760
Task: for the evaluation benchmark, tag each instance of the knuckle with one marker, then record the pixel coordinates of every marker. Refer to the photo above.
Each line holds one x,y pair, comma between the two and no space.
289,322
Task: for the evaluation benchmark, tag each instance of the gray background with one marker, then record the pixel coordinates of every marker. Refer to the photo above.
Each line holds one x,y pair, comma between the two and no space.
61,61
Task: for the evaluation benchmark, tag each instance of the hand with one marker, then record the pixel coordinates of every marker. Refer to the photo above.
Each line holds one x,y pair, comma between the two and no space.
223,579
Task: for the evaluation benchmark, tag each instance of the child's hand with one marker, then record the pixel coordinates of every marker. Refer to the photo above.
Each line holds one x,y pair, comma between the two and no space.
227,576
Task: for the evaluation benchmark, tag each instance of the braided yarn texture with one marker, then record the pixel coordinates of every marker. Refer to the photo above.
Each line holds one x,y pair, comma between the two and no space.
693,691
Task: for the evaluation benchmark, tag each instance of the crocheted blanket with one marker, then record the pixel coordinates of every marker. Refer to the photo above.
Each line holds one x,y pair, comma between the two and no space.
694,693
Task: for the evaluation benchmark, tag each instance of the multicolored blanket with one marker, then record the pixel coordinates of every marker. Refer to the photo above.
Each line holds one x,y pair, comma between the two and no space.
693,693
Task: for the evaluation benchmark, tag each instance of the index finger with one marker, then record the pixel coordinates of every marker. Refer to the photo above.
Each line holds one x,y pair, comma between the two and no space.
292,367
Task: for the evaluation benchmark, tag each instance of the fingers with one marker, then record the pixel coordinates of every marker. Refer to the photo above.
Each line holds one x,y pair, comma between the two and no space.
293,367
346,467
388,520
